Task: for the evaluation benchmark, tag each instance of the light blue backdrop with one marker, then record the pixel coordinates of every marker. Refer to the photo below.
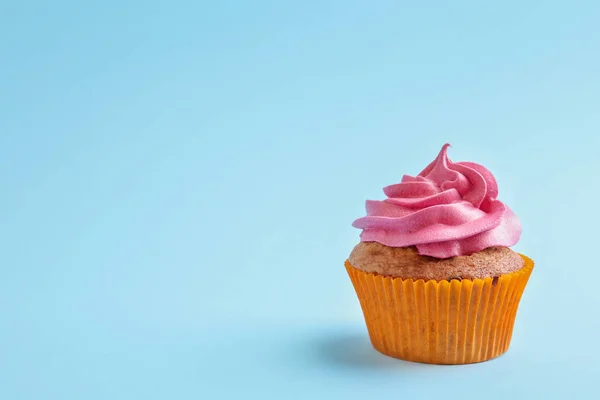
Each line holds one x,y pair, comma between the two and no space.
179,180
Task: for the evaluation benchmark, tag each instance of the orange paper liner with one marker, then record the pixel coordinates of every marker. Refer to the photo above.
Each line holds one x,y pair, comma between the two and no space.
440,322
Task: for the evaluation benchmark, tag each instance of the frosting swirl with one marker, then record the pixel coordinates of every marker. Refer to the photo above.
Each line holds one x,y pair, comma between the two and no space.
449,209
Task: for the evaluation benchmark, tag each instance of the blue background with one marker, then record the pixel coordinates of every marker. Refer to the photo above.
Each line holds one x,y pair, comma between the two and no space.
179,179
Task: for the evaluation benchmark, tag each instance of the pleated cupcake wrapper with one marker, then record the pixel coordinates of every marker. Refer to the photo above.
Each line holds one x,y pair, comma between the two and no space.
440,322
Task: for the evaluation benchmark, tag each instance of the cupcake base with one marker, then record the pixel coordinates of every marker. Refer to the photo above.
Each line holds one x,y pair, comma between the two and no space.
440,322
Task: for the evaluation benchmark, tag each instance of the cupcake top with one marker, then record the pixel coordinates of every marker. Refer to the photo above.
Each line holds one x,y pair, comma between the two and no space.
449,209
406,262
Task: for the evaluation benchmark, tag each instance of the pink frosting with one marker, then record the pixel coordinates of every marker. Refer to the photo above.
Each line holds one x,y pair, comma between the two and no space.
449,209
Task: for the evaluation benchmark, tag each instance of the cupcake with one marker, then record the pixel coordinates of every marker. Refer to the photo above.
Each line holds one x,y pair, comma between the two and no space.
434,273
